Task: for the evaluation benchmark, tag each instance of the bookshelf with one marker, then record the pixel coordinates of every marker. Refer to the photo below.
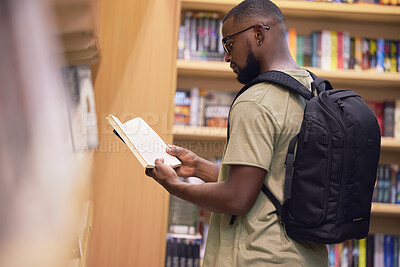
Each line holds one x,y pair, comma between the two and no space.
372,21
77,30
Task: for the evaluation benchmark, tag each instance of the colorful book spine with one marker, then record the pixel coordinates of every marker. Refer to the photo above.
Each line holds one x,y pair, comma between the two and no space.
362,257
393,56
346,50
387,61
300,50
316,49
388,116
365,49
372,54
292,42
307,55
380,55
357,53
340,50
326,46
334,50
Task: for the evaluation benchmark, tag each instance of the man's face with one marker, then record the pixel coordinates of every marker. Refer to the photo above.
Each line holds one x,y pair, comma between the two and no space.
241,57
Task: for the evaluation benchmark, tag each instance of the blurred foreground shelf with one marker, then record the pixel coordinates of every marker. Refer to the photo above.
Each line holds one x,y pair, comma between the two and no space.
77,30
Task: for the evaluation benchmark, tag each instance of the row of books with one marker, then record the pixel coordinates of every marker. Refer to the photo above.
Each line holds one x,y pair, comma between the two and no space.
388,115
377,250
333,50
200,36
198,107
387,187
183,251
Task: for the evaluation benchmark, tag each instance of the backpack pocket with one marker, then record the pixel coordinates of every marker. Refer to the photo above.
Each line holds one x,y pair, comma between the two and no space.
308,204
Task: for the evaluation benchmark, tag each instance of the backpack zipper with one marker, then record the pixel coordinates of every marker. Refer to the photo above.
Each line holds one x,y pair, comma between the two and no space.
343,171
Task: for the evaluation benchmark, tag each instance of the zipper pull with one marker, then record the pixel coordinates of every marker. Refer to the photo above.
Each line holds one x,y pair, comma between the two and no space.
340,104
308,126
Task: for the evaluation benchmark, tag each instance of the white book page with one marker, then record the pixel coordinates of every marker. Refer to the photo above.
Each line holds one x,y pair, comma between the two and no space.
147,142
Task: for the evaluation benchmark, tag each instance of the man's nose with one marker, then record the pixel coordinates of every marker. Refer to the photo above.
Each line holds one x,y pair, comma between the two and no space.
227,58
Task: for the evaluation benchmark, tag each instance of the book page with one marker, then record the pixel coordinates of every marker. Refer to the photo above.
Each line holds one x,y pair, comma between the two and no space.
147,142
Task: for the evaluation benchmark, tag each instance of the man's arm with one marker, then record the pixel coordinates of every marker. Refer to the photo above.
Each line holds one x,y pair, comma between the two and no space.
236,195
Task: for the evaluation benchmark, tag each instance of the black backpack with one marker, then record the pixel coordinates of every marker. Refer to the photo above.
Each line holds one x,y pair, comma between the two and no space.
331,163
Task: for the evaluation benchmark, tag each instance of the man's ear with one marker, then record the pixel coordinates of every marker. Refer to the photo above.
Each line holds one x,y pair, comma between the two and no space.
259,34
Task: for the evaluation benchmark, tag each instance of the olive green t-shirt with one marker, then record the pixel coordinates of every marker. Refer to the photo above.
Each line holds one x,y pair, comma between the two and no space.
262,121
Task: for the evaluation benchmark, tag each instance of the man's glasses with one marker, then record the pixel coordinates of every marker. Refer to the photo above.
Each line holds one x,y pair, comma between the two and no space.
226,38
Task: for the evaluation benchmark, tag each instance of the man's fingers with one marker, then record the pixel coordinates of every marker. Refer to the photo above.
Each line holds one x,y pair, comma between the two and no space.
175,150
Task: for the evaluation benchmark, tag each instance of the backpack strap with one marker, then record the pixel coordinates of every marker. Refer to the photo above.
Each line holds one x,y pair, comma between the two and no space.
290,83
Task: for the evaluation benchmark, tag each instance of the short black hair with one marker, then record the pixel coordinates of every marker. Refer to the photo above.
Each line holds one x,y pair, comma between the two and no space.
255,9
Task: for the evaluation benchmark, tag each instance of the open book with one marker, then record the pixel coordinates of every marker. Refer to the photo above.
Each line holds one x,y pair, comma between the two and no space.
143,141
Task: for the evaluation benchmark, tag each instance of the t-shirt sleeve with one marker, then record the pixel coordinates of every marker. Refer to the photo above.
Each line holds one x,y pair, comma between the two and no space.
253,130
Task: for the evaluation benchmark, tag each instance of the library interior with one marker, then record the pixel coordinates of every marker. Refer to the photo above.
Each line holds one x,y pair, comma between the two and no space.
73,194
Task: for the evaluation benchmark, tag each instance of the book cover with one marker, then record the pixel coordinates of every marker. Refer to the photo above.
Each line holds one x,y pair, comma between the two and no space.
182,107
143,141
216,108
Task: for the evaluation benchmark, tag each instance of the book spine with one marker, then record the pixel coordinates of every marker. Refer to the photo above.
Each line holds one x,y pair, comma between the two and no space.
372,54
307,50
352,53
334,50
326,50
393,56
314,48
292,41
362,258
194,107
380,55
388,250
300,50
370,250
365,49
357,53
388,116
346,50
340,50
387,56
398,188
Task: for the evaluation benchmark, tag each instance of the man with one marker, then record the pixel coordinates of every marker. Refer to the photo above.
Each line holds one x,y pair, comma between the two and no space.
262,121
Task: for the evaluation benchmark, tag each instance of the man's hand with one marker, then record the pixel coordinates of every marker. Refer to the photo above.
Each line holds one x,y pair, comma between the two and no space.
164,175
188,158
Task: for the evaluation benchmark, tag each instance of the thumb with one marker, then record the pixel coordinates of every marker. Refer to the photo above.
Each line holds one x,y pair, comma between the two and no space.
175,150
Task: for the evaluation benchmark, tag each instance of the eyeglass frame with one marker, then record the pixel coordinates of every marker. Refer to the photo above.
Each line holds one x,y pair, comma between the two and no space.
226,38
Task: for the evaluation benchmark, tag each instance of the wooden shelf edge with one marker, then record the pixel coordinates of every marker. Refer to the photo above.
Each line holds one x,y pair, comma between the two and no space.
385,209
352,12
222,70
219,134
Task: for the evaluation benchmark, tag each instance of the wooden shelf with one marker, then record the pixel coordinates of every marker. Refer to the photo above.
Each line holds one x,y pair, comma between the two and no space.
311,10
77,30
350,77
384,209
219,134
